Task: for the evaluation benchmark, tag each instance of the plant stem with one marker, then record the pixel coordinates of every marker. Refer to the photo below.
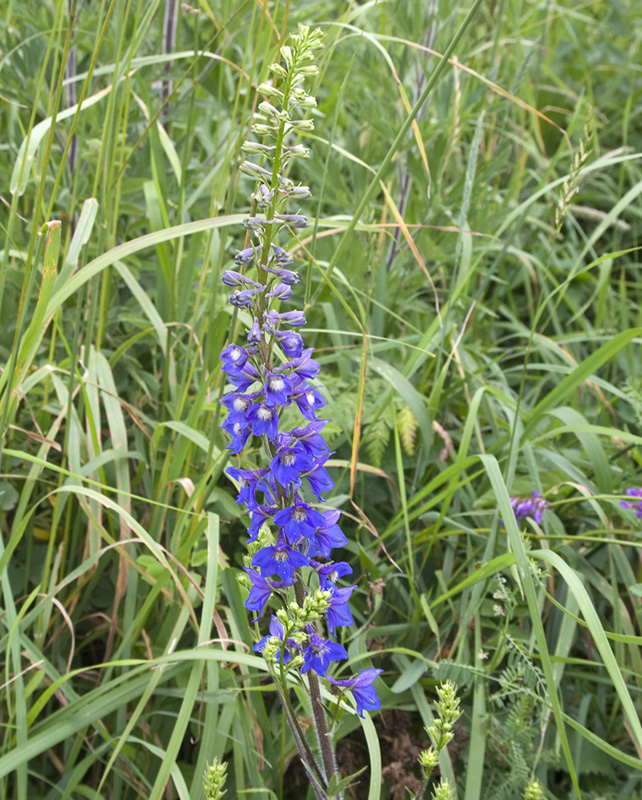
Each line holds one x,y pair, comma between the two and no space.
320,721
305,753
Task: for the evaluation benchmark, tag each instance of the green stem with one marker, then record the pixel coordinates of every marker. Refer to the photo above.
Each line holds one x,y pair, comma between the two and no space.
320,720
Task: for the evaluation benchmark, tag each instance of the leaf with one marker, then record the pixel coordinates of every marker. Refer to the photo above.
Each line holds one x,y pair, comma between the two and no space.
338,785
27,152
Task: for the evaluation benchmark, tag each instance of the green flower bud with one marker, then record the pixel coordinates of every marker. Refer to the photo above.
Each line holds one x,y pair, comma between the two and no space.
428,759
214,780
444,791
534,790
270,91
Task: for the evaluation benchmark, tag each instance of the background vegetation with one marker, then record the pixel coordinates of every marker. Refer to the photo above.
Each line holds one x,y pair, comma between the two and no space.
478,324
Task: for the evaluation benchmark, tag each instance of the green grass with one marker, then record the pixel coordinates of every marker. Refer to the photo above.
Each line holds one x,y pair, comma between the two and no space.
471,285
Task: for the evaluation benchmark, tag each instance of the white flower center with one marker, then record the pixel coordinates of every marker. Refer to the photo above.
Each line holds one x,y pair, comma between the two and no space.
235,354
299,514
287,459
310,398
280,555
240,404
277,384
264,413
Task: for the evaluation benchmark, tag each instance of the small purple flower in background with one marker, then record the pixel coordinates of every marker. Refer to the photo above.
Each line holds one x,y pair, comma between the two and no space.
533,507
638,505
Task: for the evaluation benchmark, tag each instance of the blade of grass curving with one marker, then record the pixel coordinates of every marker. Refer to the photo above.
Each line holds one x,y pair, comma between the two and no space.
596,628
560,393
528,587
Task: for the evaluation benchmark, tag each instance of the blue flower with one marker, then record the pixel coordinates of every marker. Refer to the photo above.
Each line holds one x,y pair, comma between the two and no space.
276,630
254,334
245,256
244,378
240,432
282,292
233,358
319,480
362,690
245,297
279,559
295,220
260,514
263,420
298,520
278,389
319,653
637,505
308,399
329,574
260,592
291,343
338,613
288,464
233,278
525,507
237,405
248,480
329,536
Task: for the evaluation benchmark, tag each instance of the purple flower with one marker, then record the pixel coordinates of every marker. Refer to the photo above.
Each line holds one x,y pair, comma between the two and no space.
298,520
286,276
279,559
295,220
240,432
362,690
245,256
291,343
276,630
244,378
525,507
328,537
329,574
638,505
278,389
244,297
311,439
319,481
260,592
309,399
232,278
237,405
254,334
281,291
234,358
281,256
259,515
319,653
294,318
288,464
263,420
338,613
248,480
305,366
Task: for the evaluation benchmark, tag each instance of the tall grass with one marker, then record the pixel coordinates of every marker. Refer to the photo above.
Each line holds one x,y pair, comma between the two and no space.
472,290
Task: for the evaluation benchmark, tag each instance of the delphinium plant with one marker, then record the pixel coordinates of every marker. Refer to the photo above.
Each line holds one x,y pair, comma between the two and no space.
275,403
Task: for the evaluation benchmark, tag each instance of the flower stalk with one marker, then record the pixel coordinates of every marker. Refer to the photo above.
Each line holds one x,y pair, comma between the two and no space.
272,379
